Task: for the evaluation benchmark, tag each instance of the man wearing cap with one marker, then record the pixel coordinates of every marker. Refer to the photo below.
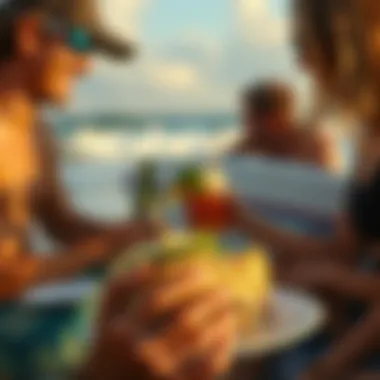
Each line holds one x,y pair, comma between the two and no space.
270,128
44,48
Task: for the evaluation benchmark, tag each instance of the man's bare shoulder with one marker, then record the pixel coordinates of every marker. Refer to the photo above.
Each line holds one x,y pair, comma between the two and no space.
45,139
321,147
313,136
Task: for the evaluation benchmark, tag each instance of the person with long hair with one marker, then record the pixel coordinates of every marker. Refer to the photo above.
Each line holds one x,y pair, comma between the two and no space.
338,44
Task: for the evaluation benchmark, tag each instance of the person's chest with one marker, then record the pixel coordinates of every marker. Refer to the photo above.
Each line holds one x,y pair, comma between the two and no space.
19,172
301,147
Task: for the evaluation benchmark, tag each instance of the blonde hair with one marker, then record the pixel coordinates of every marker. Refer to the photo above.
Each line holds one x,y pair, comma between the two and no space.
342,32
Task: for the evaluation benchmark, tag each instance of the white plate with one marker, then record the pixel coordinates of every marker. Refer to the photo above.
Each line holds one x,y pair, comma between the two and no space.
296,317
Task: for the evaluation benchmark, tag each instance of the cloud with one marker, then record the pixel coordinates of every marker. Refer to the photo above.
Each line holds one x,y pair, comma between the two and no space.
124,16
150,71
195,47
173,75
152,84
258,24
259,46
191,71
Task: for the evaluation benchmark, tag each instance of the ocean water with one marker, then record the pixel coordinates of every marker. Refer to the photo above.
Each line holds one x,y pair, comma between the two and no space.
99,152
125,138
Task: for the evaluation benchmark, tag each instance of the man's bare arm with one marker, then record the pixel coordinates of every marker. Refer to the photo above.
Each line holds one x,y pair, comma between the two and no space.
52,205
27,270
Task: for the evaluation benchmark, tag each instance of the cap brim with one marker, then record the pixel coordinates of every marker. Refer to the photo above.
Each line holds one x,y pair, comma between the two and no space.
113,46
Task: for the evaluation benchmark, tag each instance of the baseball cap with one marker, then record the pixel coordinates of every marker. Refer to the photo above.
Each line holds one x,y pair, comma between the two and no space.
83,14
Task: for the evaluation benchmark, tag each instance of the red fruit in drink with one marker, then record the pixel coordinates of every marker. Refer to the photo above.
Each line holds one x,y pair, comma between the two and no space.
209,211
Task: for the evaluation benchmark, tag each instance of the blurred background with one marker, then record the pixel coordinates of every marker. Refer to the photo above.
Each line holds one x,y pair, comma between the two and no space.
180,98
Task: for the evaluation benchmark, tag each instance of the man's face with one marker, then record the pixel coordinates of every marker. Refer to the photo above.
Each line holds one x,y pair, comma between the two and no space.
53,62
268,125
58,70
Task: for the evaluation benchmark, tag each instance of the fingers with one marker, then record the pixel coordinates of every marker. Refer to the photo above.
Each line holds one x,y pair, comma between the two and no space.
199,341
135,355
120,293
173,320
220,352
156,355
199,311
195,323
197,334
152,291
221,355
171,288
207,355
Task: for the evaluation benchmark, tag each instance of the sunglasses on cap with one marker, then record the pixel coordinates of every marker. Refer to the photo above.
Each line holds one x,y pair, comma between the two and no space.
76,38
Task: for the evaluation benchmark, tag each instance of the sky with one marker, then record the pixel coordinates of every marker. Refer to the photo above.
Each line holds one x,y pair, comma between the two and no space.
194,55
